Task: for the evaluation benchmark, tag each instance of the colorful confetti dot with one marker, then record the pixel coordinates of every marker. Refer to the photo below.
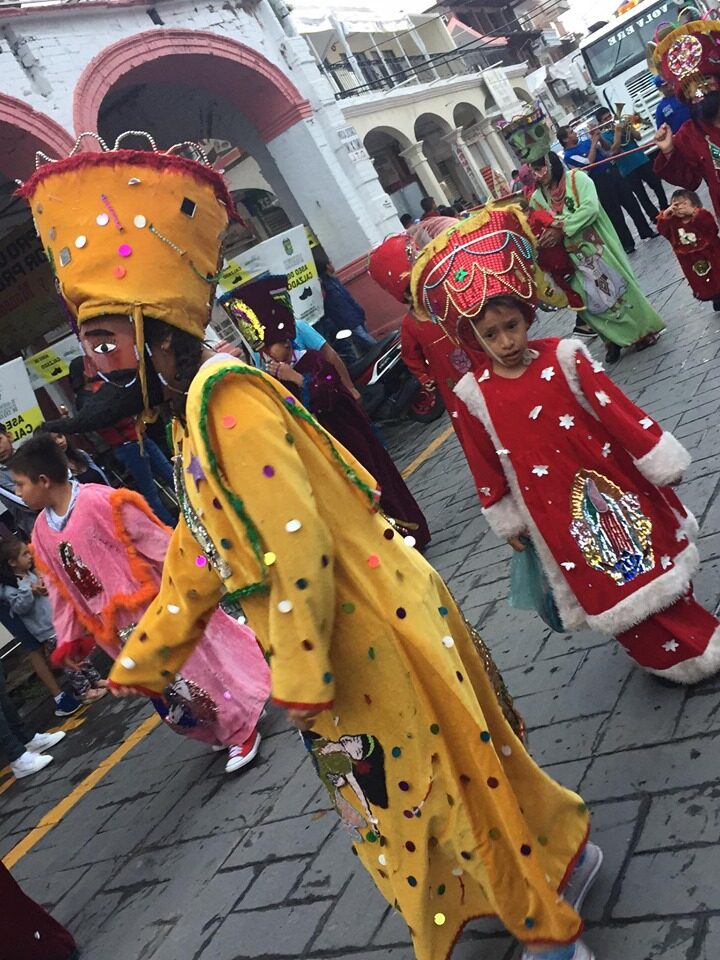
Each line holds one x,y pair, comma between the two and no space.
410,846
125,250
382,860
459,676
102,219
285,606
292,526
227,695
173,608
493,783
128,663
324,560
268,471
290,438
401,613
466,855
525,850
448,642
348,608
458,872
396,752
308,645
412,881
81,241
389,534
327,678
485,736
119,272
529,923
371,837
371,653
373,561
301,584
439,919
505,750
441,890
494,833
543,841
200,561
269,558
225,543
404,785
435,728
228,421
217,504
140,221
410,541
443,611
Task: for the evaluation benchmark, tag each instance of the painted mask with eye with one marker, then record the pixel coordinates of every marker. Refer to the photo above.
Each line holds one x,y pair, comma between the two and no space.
109,343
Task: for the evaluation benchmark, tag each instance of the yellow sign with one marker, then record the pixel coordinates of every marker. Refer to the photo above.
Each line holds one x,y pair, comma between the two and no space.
18,406
48,365
234,275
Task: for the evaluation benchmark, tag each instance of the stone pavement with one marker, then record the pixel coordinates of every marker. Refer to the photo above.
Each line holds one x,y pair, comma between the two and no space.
170,859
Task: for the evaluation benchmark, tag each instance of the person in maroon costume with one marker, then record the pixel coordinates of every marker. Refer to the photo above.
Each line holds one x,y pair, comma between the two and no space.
28,931
693,234
687,59
317,384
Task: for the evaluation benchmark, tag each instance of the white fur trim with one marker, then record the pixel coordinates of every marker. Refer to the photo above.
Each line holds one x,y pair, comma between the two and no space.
666,462
696,668
567,350
504,518
571,613
659,594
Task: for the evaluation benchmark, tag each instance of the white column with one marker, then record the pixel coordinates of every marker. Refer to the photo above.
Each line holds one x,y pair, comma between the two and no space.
467,163
420,166
504,161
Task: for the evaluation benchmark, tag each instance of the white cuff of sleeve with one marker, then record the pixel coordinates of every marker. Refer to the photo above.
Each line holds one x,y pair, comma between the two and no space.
666,462
504,518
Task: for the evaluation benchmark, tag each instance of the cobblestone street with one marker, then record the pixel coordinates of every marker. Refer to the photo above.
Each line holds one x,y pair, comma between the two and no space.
169,858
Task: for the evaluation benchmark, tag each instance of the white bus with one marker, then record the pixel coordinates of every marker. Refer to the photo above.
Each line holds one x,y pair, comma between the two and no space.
616,57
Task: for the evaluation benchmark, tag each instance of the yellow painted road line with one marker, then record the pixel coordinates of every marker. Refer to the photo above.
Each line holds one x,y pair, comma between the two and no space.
54,816
427,452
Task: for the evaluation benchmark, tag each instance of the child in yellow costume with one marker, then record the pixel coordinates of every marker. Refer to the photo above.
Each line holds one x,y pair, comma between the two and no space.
368,651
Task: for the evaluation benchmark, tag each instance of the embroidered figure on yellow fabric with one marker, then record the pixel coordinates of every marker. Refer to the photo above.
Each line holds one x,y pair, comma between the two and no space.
610,528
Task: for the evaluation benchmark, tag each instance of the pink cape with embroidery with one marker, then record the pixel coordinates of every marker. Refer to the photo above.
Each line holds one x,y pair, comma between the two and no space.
103,569
562,454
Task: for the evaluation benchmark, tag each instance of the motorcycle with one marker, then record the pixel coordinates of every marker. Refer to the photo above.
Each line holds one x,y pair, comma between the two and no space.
388,390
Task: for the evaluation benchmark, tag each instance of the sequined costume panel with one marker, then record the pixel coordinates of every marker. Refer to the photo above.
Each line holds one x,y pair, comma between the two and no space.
448,812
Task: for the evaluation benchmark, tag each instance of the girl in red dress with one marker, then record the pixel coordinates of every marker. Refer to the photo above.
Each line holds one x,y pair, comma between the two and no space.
693,234
560,455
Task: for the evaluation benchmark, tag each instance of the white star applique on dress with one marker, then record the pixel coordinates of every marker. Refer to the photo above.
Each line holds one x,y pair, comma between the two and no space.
485,491
606,450
670,645
535,412
665,562
485,375
548,373
566,421
602,398
646,423
597,367
567,565
540,470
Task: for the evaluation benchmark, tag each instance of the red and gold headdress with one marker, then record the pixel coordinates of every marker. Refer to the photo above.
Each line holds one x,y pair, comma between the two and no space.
687,55
491,254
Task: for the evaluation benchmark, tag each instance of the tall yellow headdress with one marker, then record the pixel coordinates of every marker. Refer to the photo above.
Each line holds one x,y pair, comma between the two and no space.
134,232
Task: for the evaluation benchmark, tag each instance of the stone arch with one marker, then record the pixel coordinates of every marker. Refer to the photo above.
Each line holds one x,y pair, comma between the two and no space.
382,134
24,131
466,114
256,87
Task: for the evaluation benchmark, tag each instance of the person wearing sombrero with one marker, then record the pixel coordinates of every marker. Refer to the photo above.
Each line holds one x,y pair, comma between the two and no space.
561,456
368,651
687,57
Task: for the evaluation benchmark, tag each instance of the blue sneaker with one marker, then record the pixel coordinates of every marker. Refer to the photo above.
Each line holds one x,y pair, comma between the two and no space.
583,876
66,705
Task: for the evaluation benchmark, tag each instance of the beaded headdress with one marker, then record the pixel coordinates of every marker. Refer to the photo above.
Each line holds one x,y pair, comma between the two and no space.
529,136
390,264
262,311
488,255
687,55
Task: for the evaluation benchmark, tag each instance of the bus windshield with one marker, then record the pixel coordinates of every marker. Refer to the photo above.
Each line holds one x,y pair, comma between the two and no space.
627,45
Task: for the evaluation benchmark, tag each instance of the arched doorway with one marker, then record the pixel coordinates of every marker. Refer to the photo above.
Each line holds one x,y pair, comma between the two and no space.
213,88
29,305
387,148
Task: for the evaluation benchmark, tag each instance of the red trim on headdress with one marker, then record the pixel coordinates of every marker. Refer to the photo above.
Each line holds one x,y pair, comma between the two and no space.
165,162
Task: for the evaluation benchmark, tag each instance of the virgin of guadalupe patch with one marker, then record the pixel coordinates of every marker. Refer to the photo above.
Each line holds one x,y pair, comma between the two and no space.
610,528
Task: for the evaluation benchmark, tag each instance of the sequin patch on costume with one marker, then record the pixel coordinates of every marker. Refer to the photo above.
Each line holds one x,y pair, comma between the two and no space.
608,525
460,361
355,761
83,578
188,705
701,268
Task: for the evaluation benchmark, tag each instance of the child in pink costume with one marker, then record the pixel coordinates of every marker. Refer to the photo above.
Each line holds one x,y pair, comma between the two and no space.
101,559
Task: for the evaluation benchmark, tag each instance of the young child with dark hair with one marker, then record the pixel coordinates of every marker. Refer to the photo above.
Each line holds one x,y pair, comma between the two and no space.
693,234
25,593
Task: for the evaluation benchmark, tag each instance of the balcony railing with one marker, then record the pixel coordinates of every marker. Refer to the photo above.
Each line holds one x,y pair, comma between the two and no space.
384,72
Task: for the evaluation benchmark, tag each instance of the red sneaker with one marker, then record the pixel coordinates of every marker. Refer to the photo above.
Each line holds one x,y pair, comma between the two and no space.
240,755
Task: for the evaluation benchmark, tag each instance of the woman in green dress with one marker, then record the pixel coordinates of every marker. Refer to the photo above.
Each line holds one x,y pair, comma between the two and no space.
614,304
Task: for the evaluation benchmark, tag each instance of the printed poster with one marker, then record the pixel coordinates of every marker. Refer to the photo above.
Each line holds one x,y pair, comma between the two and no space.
19,410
